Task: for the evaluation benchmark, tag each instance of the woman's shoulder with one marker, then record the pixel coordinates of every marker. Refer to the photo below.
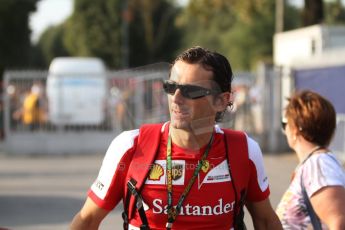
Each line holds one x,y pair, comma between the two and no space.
323,170
325,161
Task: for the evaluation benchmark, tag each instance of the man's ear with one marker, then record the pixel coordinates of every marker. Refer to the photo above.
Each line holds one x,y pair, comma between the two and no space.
222,101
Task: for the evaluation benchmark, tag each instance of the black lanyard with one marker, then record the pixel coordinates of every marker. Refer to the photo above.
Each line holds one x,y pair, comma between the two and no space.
174,211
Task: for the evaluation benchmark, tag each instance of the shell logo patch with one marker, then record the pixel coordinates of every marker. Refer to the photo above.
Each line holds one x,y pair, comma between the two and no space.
156,172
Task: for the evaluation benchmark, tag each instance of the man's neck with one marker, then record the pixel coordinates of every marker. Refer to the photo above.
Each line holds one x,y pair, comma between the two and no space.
191,140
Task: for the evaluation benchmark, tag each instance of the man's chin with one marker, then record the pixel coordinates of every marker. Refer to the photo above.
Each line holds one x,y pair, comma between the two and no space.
178,124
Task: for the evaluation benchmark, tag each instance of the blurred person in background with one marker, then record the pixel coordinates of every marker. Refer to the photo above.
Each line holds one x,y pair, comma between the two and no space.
118,107
33,111
255,95
309,124
15,102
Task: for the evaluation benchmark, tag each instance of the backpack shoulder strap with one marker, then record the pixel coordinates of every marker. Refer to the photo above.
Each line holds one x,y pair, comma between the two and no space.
143,158
238,156
238,159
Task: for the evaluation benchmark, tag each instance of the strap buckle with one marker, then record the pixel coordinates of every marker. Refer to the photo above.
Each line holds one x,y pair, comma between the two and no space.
131,186
139,203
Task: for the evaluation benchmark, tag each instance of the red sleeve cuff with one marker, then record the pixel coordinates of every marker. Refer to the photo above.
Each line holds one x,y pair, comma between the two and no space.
99,202
260,197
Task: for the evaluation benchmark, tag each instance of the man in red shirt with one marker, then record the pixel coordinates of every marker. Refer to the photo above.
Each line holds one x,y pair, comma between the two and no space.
190,184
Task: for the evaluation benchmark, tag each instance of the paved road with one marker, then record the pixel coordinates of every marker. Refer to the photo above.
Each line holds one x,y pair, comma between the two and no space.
44,192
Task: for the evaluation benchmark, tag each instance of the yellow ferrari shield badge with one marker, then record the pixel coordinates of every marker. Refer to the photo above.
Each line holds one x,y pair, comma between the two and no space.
205,166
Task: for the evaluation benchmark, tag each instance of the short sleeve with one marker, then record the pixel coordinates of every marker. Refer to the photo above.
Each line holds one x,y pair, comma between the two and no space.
322,170
258,188
107,190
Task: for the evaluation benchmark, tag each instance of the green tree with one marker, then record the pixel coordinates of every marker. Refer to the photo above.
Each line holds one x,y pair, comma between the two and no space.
153,34
242,30
313,12
15,33
204,23
251,36
292,17
334,12
51,44
108,28
94,29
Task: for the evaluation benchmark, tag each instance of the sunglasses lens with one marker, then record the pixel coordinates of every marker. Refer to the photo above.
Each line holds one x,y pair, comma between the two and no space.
187,91
193,92
169,87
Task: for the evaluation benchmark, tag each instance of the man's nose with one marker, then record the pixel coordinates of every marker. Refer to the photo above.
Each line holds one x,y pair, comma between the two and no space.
177,97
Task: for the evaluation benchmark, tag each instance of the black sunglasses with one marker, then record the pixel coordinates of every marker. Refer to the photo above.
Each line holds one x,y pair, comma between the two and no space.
188,91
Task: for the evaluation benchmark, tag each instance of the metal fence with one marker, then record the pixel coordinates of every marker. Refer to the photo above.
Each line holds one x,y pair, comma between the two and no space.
133,97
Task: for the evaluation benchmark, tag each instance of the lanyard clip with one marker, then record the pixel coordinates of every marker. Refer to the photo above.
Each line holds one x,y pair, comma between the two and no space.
169,225
172,213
